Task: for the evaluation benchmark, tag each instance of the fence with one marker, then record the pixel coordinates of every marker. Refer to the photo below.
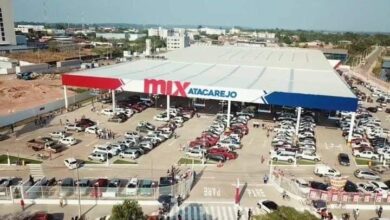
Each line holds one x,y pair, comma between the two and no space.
42,109
332,196
41,190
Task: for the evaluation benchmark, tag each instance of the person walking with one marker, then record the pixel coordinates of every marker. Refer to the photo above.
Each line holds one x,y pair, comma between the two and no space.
249,214
356,214
22,204
61,202
380,211
265,179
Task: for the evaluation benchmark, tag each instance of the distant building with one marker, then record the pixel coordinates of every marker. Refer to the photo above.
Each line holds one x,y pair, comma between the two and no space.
29,28
335,54
21,40
120,36
178,41
234,31
7,32
213,31
160,32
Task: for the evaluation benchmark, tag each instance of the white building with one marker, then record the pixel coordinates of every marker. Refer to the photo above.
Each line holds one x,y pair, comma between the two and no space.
177,41
213,31
7,32
27,28
160,32
119,36
234,31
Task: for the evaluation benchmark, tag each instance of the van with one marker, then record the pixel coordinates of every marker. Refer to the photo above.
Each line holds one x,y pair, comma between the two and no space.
324,170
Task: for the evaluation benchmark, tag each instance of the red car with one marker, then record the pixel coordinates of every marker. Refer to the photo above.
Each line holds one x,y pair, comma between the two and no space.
243,128
230,155
138,108
212,140
99,187
199,142
41,215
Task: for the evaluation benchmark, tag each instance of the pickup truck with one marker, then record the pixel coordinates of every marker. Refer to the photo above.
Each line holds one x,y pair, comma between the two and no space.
44,144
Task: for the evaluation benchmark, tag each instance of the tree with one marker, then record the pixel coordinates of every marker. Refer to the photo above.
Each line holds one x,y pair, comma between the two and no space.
287,213
129,210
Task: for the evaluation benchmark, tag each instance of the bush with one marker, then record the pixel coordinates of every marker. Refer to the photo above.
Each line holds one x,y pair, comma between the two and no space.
129,210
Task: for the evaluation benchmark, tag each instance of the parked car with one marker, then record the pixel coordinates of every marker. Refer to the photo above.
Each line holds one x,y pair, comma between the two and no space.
319,185
366,154
282,156
98,156
308,156
130,153
366,174
93,129
69,141
302,185
145,188
194,153
99,187
132,187
67,187
85,186
74,127
57,134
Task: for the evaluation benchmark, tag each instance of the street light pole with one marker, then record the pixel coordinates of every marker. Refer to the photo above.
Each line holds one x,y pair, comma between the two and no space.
78,186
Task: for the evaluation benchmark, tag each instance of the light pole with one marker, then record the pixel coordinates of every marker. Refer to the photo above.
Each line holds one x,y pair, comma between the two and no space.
108,162
8,160
78,189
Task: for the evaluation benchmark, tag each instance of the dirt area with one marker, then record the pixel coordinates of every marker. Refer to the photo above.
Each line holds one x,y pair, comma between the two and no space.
17,95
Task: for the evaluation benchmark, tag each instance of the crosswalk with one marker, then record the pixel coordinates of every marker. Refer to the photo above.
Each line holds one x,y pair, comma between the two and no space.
255,193
36,171
196,211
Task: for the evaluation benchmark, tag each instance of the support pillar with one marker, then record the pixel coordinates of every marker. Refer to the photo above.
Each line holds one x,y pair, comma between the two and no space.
113,101
168,107
351,127
228,114
66,98
298,120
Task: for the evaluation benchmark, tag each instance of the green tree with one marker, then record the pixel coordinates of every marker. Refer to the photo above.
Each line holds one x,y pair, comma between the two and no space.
129,210
287,213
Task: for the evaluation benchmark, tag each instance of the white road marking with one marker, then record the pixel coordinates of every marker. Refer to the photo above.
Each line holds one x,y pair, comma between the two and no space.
208,177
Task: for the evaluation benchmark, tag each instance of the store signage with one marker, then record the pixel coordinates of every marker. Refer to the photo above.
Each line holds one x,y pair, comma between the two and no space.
177,88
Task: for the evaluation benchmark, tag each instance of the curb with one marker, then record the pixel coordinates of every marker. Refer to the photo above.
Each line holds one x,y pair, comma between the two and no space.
110,165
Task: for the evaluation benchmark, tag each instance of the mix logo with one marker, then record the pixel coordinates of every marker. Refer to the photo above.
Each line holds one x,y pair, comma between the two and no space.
211,192
183,89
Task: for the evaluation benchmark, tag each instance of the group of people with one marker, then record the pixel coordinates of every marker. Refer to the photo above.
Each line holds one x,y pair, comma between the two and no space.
105,134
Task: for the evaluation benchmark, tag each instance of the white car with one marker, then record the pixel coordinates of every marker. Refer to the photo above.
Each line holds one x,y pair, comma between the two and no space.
194,153
104,149
365,187
98,156
324,170
308,156
93,129
132,187
69,141
365,154
366,174
267,205
130,153
161,117
71,163
282,156
132,134
107,112
302,185
380,187
57,134
178,119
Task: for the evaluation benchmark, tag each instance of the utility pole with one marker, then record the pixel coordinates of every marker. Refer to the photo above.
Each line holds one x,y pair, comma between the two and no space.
78,187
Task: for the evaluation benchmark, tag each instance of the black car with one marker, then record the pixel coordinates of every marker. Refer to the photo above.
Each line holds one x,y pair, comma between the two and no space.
344,159
165,185
121,117
387,110
372,109
319,185
350,187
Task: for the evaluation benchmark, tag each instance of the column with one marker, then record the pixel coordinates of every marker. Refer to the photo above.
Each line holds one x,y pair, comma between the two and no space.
66,98
351,127
298,120
113,100
168,107
228,113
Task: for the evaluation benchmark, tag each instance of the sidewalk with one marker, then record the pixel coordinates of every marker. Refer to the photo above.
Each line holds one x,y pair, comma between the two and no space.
67,212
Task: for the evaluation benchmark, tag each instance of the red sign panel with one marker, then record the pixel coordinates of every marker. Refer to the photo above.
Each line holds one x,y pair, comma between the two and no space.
366,198
356,198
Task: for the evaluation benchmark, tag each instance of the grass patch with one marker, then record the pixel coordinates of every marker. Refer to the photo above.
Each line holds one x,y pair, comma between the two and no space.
13,160
363,161
299,162
90,162
189,161
124,162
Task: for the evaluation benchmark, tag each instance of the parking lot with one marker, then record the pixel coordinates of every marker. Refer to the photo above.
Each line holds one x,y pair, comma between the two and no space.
214,182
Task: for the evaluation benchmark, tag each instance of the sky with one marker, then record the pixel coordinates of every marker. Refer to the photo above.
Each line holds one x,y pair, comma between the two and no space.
332,15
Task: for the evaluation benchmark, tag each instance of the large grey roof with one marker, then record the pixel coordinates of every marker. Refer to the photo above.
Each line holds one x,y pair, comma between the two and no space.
272,69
